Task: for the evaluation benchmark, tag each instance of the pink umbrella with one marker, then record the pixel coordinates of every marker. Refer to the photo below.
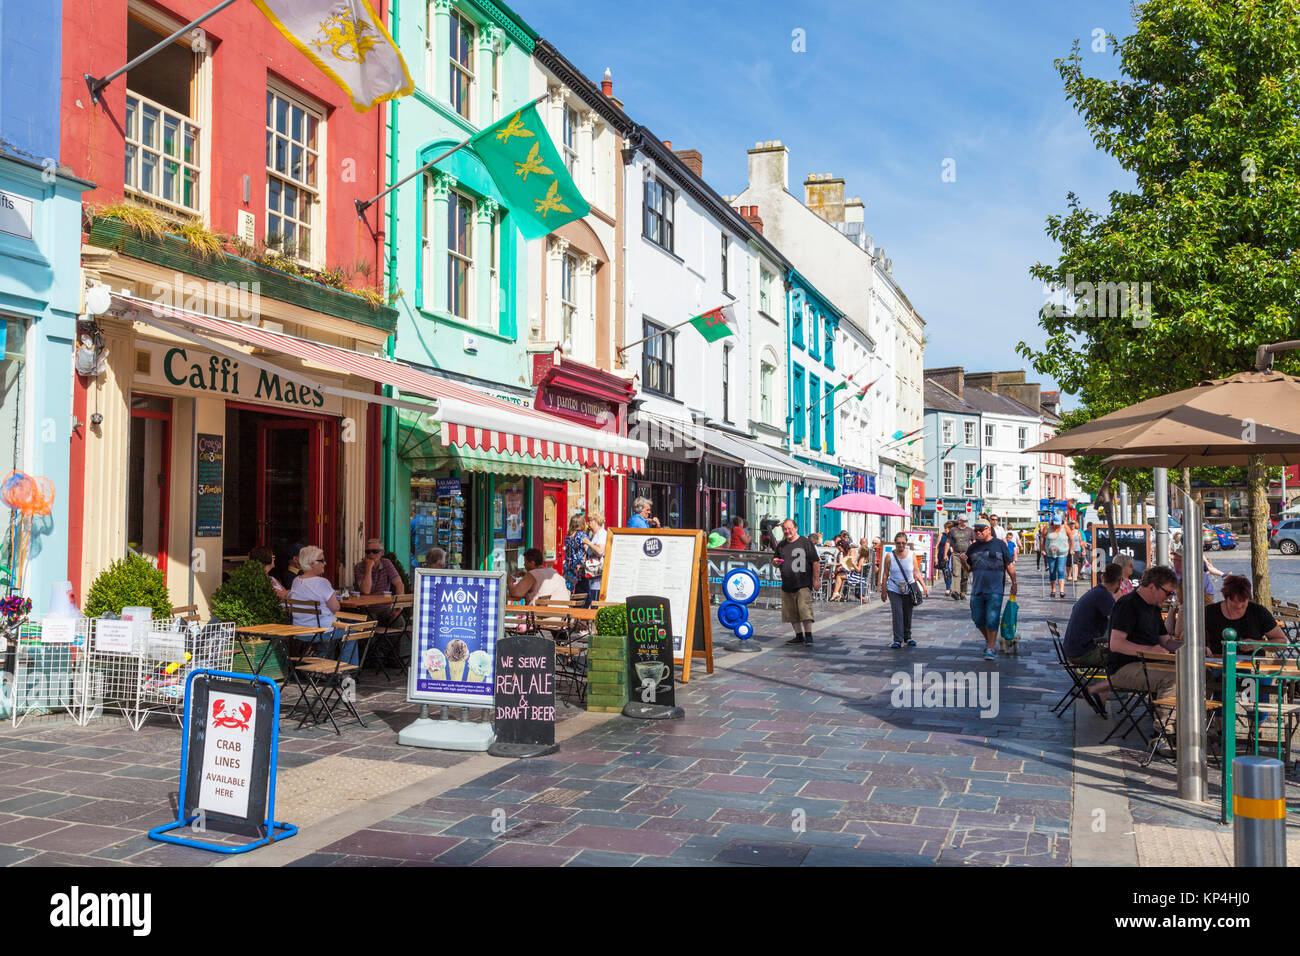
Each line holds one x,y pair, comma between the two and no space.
863,502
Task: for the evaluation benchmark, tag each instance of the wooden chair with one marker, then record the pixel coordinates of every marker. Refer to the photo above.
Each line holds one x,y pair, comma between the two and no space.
292,607
390,633
188,613
331,681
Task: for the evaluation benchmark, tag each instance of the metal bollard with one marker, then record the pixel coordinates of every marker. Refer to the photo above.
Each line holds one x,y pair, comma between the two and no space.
1258,812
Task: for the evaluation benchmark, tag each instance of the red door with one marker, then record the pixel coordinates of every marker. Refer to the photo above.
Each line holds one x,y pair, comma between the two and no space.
555,522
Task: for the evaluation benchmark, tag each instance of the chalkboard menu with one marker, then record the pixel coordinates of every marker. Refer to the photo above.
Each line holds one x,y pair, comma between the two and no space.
524,696
650,650
209,477
1137,541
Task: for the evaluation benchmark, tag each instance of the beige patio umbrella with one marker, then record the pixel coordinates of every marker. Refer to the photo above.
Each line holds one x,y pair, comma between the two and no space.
1218,422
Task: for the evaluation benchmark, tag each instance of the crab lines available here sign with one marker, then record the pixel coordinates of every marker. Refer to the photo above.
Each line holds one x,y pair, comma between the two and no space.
225,783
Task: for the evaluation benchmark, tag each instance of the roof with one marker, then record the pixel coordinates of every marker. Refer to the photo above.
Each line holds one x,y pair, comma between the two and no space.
940,399
994,404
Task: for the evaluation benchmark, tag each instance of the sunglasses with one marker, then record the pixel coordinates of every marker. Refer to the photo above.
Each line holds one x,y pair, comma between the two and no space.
1169,592
374,550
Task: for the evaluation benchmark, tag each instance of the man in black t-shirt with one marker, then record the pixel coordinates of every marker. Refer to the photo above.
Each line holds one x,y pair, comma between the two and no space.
796,557
1137,626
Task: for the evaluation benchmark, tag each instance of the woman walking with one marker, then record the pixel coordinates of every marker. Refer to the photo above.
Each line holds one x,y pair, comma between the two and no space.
944,558
900,571
1056,548
595,554
575,556
1075,563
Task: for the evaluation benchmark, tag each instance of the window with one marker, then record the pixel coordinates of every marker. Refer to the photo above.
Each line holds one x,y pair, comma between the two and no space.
969,489
989,432
161,125
796,405
461,49
828,409
949,426
949,476
988,479
659,213
1024,476
813,336
568,295
765,293
1023,437
796,320
814,413
460,254
829,357
725,243
726,383
657,358
766,375
970,433
570,141
292,158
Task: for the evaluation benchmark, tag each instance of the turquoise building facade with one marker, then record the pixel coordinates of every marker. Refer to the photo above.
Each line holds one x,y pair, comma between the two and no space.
40,285
457,267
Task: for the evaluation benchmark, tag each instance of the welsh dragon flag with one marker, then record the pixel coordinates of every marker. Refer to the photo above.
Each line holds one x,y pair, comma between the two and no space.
715,324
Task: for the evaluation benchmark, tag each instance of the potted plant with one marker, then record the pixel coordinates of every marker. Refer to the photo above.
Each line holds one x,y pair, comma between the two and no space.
132,582
247,600
612,620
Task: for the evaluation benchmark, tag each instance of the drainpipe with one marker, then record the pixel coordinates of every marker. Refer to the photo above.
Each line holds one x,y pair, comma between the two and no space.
389,414
789,386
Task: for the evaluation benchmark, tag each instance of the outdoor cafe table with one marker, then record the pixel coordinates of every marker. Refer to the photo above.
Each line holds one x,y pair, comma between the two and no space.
271,632
363,602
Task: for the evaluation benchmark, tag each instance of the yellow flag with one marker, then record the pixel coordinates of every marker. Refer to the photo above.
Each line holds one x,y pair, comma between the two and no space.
350,44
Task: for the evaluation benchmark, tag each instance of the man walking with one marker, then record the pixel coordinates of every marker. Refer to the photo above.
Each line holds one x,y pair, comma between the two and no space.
990,563
961,538
800,570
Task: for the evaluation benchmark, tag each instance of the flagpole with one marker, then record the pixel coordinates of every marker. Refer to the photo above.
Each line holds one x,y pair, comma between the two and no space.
363,206
97,84
671,328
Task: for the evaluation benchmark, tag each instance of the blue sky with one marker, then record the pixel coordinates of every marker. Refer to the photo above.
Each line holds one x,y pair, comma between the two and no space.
882,96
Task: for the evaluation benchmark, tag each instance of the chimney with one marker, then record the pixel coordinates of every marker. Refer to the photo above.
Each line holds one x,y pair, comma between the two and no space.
824,195
668,144
693,160
854,211
769,166
951,378
750,215
985,380
607,85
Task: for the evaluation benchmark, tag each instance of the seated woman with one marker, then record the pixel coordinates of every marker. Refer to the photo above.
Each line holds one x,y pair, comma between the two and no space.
538,580
1253,622
844,564
312,585
266,559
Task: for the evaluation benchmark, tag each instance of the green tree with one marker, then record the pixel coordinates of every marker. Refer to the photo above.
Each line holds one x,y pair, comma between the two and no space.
1202,249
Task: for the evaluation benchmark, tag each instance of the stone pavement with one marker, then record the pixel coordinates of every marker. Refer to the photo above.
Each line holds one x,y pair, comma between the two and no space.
789,757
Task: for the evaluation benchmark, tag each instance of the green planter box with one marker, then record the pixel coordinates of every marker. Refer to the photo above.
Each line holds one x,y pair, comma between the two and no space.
268,655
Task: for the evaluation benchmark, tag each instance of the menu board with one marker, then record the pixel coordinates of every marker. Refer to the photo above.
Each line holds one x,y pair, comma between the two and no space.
673,566
649,652
458,622
1135,540
209,478
525,690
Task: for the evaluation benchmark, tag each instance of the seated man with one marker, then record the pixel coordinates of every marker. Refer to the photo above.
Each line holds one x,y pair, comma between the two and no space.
1089,620
375,574
1136,626
539,580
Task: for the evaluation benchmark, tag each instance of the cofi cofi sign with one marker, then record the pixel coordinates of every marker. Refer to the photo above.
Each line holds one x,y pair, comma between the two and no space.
194,371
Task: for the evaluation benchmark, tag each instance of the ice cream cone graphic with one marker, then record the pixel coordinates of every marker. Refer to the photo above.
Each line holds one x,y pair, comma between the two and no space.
457,654
435,664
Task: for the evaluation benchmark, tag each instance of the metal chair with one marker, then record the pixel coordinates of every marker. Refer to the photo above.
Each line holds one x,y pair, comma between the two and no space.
1080,678
331,681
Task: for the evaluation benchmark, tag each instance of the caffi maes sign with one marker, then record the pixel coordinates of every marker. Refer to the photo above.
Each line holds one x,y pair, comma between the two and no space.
191,370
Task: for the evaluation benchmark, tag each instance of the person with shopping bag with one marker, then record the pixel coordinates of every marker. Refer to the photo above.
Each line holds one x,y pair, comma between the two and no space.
901,584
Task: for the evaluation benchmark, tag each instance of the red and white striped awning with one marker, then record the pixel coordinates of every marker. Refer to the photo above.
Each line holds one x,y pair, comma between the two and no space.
470,419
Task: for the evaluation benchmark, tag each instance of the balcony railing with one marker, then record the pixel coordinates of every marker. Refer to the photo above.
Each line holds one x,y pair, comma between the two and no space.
162,154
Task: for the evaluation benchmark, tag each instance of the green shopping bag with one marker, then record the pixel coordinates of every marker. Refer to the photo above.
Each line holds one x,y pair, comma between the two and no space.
1009,615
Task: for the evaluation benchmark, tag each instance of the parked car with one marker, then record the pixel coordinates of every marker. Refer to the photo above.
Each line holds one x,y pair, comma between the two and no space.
1287,536
1227,537
1209,539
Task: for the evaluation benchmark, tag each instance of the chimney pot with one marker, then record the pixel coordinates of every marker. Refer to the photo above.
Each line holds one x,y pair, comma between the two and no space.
668,144
607,84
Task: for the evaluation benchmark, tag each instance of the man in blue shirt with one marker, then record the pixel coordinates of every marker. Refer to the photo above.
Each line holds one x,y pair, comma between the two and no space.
641,515
1090,620
990,563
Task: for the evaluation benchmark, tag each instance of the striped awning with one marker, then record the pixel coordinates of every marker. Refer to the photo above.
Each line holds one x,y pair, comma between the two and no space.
419,443
470,420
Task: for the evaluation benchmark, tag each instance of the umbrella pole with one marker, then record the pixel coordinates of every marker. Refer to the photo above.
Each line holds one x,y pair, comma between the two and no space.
1160,482
1191,663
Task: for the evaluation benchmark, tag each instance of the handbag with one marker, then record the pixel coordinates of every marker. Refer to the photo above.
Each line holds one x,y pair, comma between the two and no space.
913,586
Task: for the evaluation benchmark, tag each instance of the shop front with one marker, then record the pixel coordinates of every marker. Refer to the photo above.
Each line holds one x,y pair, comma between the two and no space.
689,483
917,498
209,438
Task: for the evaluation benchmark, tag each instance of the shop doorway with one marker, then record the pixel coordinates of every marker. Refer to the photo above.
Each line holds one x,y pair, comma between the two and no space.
149,478
281,485
555,522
